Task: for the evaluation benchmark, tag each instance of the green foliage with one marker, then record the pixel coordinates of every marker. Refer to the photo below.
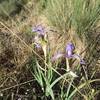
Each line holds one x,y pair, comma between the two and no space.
49,81
80,15
85,14
58,12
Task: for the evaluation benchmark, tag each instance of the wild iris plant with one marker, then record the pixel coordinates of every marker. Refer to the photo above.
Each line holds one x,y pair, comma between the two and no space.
40,42
68,54
45,74
40,35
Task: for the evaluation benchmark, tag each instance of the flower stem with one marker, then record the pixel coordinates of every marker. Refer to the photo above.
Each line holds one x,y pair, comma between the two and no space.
67,64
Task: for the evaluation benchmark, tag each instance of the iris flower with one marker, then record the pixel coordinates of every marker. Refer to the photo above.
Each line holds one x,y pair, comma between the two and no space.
40,30
69,54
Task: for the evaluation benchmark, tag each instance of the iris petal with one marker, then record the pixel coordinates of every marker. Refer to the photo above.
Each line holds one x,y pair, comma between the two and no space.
56,56
70,46
79,58
39,29
69,49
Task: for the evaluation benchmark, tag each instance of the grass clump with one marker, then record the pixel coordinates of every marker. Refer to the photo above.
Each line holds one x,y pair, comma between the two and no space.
79,15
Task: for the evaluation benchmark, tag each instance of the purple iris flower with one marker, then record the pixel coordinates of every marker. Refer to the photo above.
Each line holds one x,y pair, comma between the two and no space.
39,29
69,54
69,50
